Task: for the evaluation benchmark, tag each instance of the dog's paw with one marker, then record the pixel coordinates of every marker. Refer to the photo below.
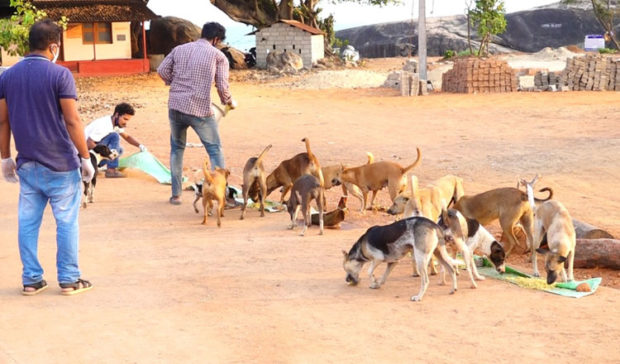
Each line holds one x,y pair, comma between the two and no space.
416,298
480,278
375,285
536,274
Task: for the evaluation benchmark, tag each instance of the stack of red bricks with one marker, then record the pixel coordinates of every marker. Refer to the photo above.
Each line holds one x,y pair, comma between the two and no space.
593,72
476,75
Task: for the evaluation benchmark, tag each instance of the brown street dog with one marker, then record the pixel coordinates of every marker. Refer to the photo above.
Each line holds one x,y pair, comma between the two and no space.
214,188
332,174
375,176
509,205
289,170
553,219
429,200
254,182
305,189
333,218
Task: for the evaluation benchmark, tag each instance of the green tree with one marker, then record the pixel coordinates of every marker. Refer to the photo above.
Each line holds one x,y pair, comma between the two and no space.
488,18
14,30
605,13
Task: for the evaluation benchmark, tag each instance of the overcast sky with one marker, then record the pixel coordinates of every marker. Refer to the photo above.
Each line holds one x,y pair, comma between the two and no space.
346,14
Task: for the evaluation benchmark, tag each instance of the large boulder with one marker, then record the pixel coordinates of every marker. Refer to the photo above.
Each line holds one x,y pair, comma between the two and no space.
527,31
284,62
168,32
236,58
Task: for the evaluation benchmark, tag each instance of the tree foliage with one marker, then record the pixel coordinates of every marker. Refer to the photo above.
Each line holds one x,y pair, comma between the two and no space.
263,13
14,30
488,18
606,14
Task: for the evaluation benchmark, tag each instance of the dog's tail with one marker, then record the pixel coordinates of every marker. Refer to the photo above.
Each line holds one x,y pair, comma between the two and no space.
412,165
315,161
206,171
371,158
546,189
260,156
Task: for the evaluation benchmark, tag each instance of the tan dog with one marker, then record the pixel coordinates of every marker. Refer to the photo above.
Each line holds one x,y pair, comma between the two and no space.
254,182
552,218
375,176
429,200
332,175
289,170
509,205
214,188
418,202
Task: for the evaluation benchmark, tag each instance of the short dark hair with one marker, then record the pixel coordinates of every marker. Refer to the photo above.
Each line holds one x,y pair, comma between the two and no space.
124,108
42,34
212,30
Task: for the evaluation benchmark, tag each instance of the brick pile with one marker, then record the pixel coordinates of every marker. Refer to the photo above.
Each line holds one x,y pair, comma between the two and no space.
594,72
475,75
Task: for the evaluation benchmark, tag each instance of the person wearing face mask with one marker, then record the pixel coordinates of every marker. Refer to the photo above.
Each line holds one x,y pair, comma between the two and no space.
107,130
38,107
190,70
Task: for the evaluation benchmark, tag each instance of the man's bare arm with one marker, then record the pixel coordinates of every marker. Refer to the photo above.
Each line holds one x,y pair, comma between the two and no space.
74,126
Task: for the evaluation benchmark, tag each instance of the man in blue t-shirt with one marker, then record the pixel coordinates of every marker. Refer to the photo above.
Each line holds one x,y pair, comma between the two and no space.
38,106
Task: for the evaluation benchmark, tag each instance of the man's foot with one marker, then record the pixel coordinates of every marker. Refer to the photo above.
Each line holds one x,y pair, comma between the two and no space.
113,173
175,200
76,287
34,288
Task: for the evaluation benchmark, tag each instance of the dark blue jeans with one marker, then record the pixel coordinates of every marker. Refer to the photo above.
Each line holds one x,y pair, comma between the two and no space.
112,141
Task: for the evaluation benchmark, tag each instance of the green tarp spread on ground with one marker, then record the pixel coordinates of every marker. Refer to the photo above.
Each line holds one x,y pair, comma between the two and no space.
147,163
521,279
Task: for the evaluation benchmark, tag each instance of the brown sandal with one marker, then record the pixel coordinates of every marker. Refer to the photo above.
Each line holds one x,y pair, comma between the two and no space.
78,286
38,288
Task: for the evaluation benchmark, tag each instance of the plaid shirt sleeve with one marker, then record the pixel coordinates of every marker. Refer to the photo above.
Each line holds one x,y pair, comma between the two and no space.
165,68
221,78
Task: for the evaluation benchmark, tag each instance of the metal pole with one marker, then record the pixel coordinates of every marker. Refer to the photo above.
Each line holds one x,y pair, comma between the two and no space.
422,40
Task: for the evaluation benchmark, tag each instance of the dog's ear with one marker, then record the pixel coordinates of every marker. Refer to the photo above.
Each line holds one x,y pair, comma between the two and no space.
346,255
444,214
542,251
561,259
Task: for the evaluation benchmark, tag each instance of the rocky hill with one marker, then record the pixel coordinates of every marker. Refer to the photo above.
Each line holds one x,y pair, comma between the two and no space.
528,31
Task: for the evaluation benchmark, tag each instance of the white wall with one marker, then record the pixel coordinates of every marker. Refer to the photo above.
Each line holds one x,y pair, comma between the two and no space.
291,39
75,50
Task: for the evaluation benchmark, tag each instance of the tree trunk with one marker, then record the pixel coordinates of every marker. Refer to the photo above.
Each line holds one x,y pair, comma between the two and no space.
471,50
586,231
603,253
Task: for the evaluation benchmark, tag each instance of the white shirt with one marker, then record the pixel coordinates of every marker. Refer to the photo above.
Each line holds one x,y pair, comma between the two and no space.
99,128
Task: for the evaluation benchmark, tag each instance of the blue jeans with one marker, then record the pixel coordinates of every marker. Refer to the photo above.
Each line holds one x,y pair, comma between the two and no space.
63,190
112,141
206,128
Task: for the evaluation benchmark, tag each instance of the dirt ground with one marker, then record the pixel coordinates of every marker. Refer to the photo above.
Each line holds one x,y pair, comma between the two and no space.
170,290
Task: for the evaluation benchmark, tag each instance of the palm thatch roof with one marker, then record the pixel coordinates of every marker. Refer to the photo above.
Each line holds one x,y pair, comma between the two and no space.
91,11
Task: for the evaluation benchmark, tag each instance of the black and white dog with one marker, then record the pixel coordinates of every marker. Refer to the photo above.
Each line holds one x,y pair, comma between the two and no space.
389,243
97,154
475,237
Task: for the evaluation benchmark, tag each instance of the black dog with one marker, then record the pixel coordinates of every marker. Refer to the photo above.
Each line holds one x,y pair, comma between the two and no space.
98,153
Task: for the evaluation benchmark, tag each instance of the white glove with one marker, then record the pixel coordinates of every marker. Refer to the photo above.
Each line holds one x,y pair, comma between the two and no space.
143,148
8,170
88,171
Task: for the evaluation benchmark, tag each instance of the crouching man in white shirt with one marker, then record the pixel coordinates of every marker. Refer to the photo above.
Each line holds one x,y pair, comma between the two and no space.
107,131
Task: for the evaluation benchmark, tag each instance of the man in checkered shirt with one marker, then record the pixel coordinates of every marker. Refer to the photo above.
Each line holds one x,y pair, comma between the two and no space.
190,69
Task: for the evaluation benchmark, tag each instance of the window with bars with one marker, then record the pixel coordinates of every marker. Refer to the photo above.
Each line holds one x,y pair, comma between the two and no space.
99,33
